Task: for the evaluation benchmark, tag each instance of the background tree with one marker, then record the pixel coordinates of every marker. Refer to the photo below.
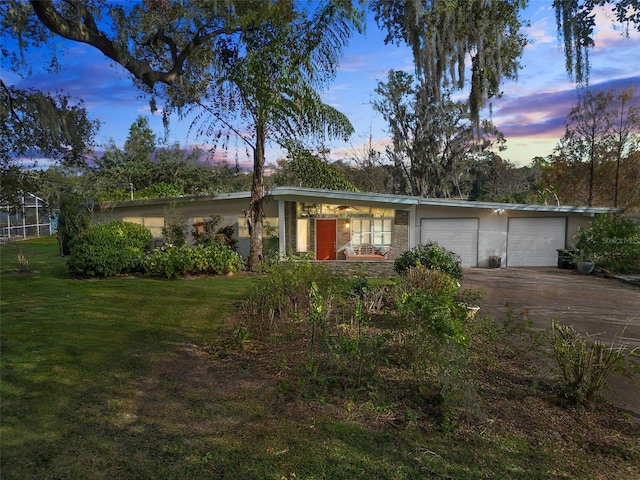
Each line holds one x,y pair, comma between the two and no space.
35,125
303,168
595,161
587,125
497,180
366,170
132,168
444,34
624,138
432,140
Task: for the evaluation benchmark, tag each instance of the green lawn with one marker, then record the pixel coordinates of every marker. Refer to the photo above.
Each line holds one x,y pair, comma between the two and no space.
135,378
73,350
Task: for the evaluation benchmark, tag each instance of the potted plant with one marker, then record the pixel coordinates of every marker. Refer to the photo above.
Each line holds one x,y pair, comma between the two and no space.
584,260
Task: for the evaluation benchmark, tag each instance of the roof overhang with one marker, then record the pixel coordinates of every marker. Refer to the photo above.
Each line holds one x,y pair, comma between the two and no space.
176,200
518,206
338,196
317,195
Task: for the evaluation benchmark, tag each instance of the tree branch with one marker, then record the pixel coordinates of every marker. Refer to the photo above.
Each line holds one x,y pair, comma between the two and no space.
86,31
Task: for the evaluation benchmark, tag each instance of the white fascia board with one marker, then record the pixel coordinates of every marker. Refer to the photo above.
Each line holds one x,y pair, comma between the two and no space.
189,199
313,194
518,206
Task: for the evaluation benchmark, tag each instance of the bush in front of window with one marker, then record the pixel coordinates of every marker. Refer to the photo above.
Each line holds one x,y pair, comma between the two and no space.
171,261
108,249
431,256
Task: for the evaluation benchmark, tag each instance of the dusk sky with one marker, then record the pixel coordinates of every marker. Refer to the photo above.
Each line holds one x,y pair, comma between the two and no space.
531,113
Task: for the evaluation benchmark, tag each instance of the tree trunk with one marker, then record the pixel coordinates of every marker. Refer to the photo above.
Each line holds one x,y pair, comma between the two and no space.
618,157
591,171
257,196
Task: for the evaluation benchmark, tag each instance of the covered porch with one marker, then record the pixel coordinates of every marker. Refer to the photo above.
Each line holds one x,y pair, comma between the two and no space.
352,228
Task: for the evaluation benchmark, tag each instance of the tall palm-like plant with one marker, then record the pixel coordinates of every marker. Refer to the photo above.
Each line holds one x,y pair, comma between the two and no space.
270,91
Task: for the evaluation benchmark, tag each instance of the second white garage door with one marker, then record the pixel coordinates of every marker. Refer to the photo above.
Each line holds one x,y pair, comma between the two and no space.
533,242
458,235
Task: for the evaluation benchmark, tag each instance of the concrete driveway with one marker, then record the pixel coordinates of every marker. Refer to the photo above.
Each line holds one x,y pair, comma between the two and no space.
603,309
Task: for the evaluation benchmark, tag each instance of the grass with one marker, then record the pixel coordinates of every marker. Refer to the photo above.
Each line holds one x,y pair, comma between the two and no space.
136,378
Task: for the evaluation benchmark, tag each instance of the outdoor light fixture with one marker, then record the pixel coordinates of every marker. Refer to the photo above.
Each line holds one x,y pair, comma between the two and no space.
499,211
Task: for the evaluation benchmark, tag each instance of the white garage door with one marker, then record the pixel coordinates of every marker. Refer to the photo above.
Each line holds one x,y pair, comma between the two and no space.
458,235
533,242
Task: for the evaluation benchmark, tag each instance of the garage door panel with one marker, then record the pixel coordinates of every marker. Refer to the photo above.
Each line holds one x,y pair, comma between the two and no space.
533,242
458,235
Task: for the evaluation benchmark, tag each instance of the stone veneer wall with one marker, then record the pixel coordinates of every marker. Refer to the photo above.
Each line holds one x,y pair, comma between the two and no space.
291,232
350,268
400,234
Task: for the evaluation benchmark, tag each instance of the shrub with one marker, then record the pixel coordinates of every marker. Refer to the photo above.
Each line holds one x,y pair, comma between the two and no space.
431,256
171,261
73,219
21,262
206,232
427,303
109,248
613,242
284,292
584,368
434,339
174,230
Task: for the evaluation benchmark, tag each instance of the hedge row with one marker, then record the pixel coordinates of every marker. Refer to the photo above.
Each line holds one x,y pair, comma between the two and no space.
115,248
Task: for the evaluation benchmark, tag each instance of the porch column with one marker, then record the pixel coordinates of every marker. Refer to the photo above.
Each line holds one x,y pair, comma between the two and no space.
282,218
414,230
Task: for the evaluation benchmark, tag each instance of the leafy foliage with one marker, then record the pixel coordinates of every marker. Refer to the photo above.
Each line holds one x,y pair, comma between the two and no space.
576,22
283,293
53,125
109,248
175,228
33,123
432,138
303,168
173,262
613,242
73,219
443,34
206,232
431,256
584,367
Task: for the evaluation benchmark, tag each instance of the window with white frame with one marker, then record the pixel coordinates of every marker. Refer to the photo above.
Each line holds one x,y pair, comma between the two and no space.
376,231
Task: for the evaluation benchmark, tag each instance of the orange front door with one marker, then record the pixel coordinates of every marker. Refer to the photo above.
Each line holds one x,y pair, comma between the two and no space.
326,239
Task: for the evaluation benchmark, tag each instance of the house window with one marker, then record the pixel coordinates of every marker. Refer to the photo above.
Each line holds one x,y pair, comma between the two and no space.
243,228
269,227
376,231
302,237
154,224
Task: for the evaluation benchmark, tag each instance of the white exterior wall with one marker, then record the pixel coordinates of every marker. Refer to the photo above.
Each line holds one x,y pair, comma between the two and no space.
493,226
228,209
